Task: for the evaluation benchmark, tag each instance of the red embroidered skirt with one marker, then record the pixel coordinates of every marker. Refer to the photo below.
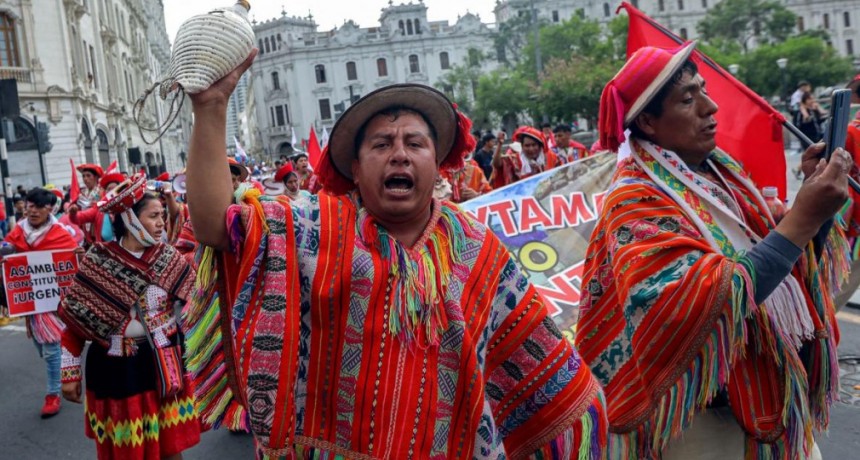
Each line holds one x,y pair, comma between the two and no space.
125,415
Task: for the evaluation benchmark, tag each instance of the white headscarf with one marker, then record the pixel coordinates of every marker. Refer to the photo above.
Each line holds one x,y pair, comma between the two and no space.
34,235
136,228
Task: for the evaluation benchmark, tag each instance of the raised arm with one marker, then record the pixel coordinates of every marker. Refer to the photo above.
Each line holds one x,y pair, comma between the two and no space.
210,187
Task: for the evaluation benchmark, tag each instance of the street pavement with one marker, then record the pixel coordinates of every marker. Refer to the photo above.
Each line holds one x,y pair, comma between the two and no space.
25,436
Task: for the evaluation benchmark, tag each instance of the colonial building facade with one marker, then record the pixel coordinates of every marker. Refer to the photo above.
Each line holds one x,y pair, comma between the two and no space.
80,65
304,77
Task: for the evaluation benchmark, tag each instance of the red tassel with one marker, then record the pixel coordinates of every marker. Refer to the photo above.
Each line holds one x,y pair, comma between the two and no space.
610,120
464,144
334,183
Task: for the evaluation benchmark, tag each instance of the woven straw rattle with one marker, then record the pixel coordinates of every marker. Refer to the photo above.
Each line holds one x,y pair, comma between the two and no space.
208,46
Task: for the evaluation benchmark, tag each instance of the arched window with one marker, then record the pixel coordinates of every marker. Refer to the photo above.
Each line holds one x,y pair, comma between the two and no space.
9,56
409,30
606,11
417,27
636,3
276,82
319,71
414,67
681,5
260,45
20,135
826,18
351,71
381,67
280,40
88,141
444,61
704,3
402,28
683,33
103,147
846,19
268,46
661,6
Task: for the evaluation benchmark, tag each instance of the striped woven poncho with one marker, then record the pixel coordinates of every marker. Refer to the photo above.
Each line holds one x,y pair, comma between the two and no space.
668,317
349,345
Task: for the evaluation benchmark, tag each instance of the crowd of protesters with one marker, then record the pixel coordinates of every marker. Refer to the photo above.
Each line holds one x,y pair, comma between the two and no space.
356,291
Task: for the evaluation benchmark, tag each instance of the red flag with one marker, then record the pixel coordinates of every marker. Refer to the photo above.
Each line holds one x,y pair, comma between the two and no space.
75,190
749,129
314,153
112,168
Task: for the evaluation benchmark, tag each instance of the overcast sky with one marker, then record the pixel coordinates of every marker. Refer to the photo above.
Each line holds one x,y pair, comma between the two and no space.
327,13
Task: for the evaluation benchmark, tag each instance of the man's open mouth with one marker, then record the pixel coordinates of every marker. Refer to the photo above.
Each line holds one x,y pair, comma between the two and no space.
399,183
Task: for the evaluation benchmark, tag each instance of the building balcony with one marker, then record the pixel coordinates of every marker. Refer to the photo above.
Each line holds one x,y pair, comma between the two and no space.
21,74
275,130
417,77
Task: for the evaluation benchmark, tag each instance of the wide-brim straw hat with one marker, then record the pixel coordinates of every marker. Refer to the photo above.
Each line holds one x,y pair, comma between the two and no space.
238,169
427,101
95,169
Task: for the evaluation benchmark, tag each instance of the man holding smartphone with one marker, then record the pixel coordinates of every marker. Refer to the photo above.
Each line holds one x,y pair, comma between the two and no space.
696,303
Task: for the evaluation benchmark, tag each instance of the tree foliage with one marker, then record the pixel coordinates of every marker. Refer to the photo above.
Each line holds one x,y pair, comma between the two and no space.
578,58
572,87
512,37
809,58
747,22
461,82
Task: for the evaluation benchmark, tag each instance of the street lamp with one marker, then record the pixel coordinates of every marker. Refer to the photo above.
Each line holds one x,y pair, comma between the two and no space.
782,63
733,68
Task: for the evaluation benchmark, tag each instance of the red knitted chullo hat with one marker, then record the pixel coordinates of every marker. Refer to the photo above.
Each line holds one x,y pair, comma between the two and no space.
283,171
634,86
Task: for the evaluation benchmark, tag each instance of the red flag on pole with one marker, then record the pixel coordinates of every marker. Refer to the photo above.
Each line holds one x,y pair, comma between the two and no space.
113,167
314,153
749,128
75,189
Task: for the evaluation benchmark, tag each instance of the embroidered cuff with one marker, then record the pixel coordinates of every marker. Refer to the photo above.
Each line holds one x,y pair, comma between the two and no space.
70,367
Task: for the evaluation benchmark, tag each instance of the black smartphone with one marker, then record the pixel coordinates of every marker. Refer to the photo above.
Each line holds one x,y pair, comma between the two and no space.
836,128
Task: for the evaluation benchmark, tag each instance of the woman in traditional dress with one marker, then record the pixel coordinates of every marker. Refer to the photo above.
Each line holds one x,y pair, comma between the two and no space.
139,405
289,178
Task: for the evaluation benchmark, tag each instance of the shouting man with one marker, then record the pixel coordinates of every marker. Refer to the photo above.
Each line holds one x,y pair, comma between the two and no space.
374,321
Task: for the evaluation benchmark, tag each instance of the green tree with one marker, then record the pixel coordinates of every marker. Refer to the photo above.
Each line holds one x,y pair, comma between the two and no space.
571,88
461,82
502,96
512,37
742,21
809,59
580,58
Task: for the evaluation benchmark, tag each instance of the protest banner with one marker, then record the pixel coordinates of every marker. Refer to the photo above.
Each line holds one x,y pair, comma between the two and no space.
546,221
35,281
